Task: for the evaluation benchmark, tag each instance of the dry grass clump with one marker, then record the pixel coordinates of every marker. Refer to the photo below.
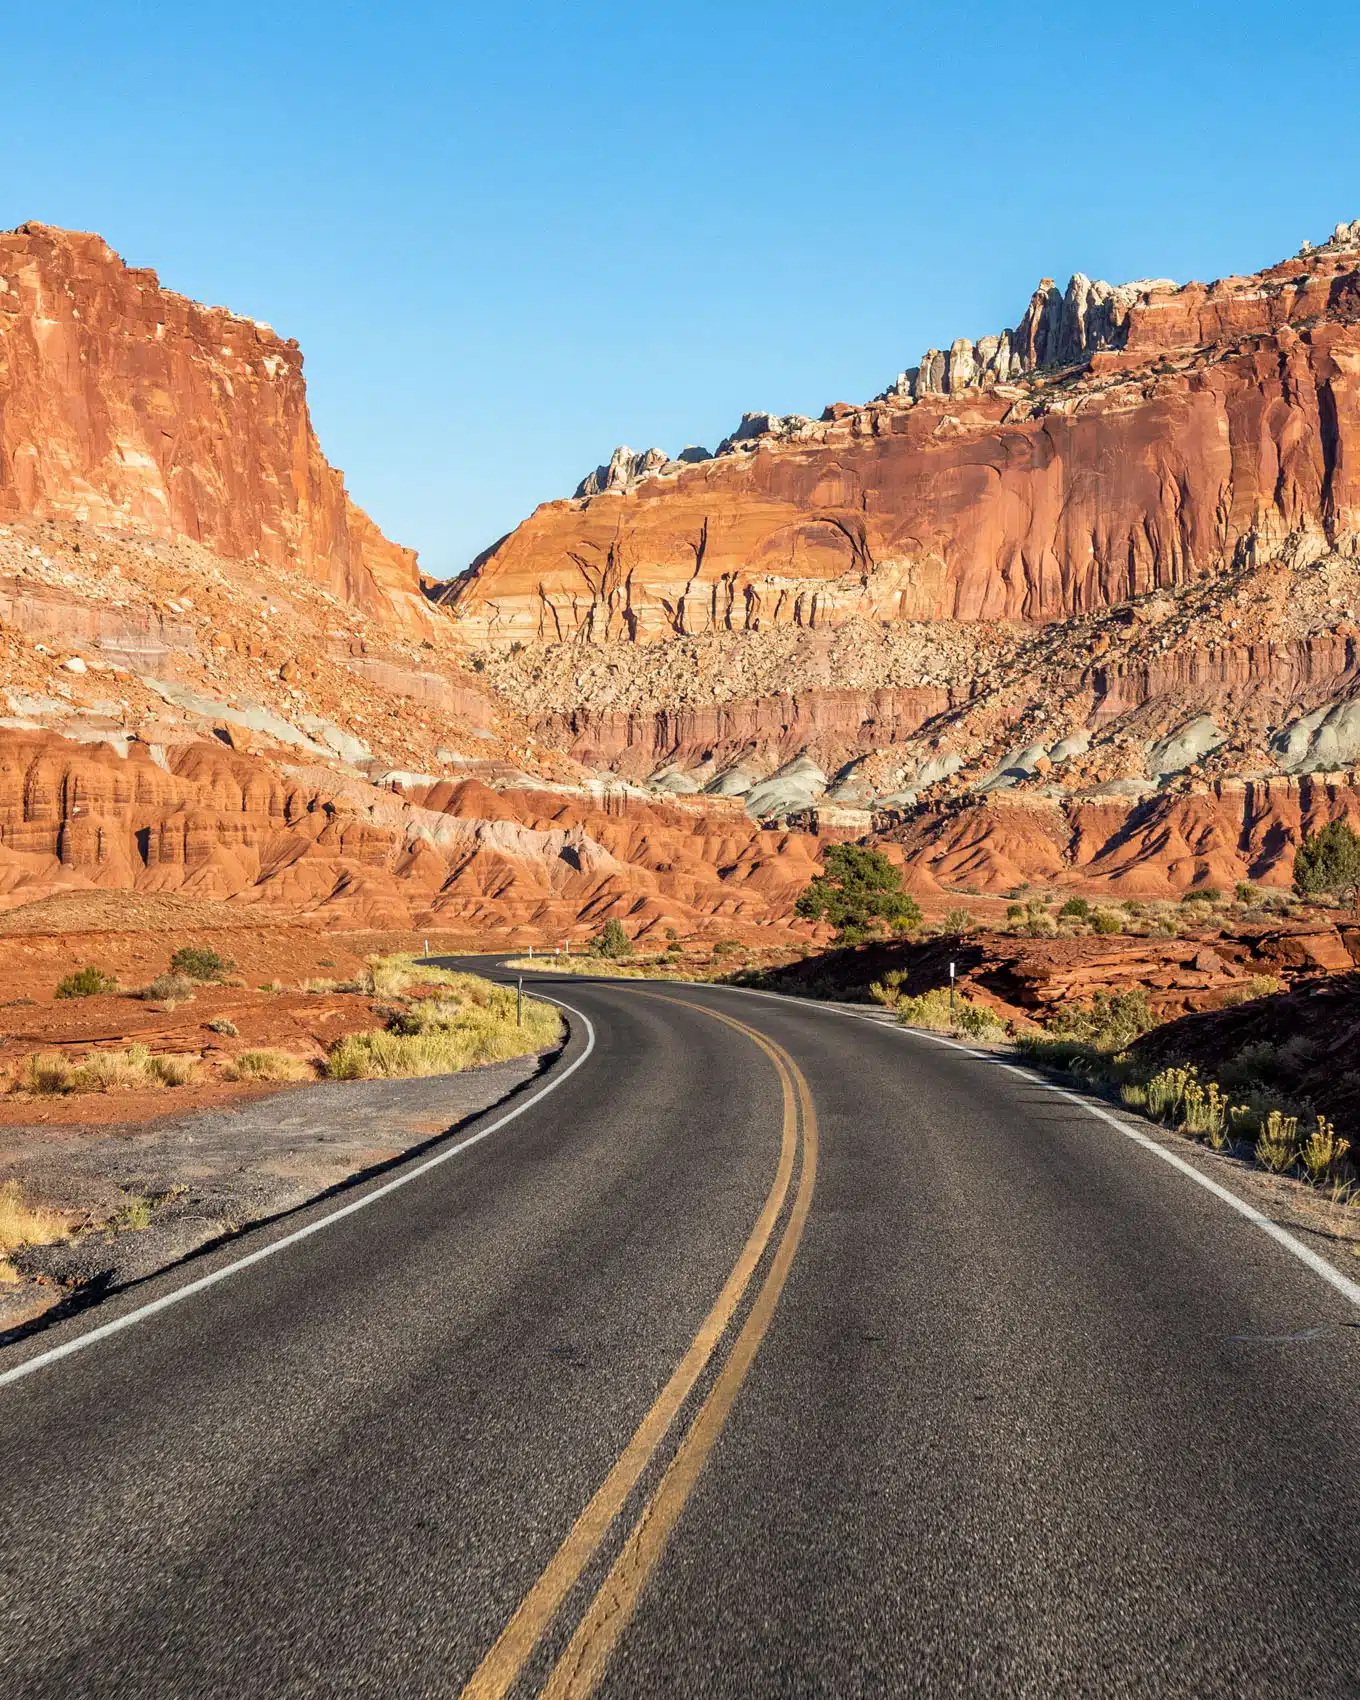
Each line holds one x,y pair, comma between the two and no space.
23,1224
46,1074
269,1065
169,988
394,976
471,1022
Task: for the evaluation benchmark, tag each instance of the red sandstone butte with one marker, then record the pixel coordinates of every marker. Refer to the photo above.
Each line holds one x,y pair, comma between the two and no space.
128,405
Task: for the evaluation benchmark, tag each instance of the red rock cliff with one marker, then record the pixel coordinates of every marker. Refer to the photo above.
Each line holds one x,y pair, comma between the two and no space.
122,403
1177,429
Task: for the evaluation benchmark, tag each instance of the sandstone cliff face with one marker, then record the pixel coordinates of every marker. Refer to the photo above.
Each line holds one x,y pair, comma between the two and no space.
1197,426
124,404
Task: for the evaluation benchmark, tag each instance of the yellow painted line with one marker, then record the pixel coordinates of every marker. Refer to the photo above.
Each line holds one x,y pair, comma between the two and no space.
581,1666
503,1663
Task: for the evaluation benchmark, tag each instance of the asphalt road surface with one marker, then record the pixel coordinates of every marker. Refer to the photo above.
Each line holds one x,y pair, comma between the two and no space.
768,1352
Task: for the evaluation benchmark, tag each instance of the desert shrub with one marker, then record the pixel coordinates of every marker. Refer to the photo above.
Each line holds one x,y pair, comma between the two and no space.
976,1020
134,1217
728,947
1277,1143
108,1071
612,941
1165,1093
169,988
1105,920
268,1065
1327,863
1204,1113
1244,892
1036,920
1111,1021
44,1074
197,962
1075,1056
959,921
1322,1153
86,982
888,990
228,1029
1253,1066
931,1009
1015,911
859,891
445,1035
1075,909
174,1070
1180,1098
318,986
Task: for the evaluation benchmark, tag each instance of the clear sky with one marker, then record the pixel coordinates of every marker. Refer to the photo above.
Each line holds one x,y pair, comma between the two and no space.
509,237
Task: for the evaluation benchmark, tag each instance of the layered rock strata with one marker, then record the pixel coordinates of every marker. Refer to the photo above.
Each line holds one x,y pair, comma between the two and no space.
1180,429
124,404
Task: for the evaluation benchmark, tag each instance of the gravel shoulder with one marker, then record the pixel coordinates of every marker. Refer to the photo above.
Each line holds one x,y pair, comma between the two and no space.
160,1191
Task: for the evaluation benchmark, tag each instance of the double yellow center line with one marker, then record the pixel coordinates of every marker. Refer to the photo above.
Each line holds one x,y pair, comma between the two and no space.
581,1665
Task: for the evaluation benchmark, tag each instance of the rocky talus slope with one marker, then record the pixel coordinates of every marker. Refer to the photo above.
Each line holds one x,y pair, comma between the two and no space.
1077,602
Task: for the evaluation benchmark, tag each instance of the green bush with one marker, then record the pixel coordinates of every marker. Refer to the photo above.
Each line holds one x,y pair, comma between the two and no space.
1075,909
86,982
1327,863
1107,921
612,942
196,962
859,891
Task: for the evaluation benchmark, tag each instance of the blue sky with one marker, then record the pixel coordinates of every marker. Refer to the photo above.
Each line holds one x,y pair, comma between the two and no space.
511,237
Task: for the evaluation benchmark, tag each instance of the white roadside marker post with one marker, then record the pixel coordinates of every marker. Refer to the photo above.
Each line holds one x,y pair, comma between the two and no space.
519,1002
951,996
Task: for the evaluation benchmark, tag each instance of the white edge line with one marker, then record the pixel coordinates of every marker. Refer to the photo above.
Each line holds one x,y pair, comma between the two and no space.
1306,1255
41,1359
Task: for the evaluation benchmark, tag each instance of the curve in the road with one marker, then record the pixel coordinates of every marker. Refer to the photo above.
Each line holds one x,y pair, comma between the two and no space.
317,1224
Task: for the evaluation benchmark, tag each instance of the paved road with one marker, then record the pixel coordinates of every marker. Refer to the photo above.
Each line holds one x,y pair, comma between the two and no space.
793,1358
